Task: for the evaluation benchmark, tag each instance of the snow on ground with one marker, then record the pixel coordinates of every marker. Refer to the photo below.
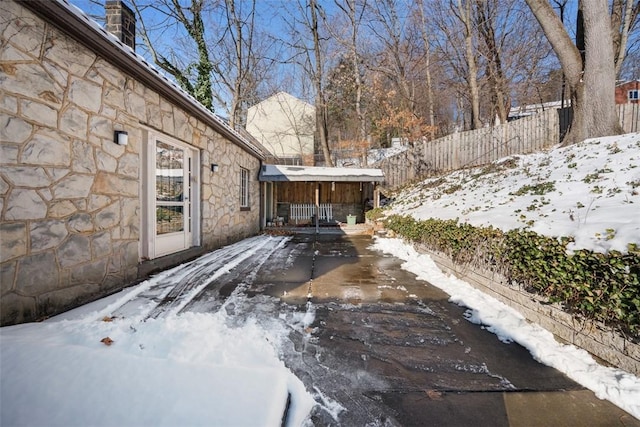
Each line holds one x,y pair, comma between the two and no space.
589,191
615,385
179,369
183,370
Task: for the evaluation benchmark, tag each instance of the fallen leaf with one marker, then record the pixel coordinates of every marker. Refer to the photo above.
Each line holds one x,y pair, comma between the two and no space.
106,341
434,394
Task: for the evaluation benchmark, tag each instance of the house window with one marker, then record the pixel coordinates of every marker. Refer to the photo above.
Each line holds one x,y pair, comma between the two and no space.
244,188
633,95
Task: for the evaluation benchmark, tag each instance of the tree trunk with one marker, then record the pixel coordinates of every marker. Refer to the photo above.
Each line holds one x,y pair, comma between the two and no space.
427,58
235,30
320,102
598,106
362,123
472,68
485,15
592,91
623,16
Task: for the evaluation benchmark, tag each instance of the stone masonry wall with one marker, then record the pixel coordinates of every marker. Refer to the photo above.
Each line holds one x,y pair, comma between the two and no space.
601,341
69,196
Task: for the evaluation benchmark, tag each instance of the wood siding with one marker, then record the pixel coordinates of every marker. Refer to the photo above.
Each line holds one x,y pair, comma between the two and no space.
304,192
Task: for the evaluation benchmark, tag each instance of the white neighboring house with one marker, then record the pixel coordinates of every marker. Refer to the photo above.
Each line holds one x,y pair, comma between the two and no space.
284,125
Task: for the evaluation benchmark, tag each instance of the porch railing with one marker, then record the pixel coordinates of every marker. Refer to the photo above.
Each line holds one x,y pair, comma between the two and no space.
304,212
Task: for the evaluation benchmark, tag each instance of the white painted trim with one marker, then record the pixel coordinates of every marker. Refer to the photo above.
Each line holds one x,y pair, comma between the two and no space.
149,246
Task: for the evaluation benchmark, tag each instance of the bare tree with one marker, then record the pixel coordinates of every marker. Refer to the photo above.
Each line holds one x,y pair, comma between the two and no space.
193,73
354,16
427,57
240,31
463,13
240,62
322,128
213,49
455,38
308,44
624,16
399,72
388,23
591,81
486,17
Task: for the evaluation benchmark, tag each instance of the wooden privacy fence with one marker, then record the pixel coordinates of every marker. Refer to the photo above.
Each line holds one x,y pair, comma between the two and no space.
629,115
306,211
483,146
471,148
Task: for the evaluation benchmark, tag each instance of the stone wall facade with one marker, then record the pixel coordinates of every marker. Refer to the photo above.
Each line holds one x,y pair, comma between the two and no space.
70,198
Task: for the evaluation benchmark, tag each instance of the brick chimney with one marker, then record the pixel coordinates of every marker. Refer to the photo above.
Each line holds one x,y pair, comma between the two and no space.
121,22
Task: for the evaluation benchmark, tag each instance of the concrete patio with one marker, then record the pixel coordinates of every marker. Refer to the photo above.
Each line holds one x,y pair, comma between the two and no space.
388,348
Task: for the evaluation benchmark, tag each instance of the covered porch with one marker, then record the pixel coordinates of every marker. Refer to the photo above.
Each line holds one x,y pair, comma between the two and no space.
317,196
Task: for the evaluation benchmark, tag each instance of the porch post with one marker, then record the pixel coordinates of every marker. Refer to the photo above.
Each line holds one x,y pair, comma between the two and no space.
317,207
263,205
376,196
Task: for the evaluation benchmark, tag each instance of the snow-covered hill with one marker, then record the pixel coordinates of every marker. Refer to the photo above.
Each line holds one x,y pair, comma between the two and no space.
590,191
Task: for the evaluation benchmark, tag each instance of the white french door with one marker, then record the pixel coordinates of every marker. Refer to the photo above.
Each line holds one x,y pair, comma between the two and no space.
171,196
173,201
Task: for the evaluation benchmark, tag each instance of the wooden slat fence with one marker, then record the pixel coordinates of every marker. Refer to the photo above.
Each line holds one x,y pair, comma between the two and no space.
339,192
629,115
471,148
483,146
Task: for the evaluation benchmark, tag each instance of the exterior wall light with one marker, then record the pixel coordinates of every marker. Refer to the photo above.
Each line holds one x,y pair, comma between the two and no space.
121,137
214,167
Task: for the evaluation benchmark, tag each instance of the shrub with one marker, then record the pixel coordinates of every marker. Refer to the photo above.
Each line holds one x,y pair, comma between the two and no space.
374,214
601,287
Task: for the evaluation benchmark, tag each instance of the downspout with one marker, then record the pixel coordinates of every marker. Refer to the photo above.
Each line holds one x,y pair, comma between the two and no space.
263,200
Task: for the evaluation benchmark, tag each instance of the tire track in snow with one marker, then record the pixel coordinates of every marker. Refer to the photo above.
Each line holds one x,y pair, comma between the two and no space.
203,274
153,297
240,290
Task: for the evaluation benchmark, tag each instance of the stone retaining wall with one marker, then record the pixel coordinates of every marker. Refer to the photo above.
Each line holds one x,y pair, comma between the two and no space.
70,198
598,340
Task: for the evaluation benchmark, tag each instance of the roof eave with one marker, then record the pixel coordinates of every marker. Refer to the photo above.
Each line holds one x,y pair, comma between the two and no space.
127,61
310,178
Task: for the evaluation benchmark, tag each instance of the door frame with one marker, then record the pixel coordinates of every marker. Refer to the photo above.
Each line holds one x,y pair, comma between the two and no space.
149,247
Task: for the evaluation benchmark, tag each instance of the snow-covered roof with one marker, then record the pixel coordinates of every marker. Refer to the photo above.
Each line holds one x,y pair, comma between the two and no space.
527,110
379,154
314,173
626,82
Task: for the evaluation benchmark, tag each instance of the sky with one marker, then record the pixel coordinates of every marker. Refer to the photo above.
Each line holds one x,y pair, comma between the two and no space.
211,368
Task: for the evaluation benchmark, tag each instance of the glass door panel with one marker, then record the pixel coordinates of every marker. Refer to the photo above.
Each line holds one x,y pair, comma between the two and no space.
172,201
